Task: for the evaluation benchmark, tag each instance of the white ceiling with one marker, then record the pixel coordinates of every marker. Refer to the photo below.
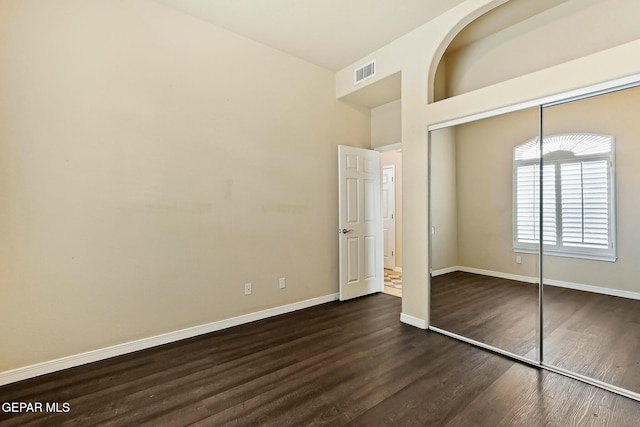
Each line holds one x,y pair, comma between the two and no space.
329,33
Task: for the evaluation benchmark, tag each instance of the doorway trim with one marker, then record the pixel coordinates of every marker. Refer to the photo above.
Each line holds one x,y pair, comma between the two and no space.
393,147
388,205
390,147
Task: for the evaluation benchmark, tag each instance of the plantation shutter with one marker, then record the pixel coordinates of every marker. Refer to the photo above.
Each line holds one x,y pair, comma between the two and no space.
528,203
585,204
578,196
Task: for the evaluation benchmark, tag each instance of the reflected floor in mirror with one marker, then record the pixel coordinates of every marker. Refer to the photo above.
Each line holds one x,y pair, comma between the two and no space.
594,335
499,312
590,334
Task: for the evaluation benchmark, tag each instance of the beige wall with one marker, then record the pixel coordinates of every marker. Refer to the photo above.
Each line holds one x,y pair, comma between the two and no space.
443,203
416,55
394,158
385,124
484,171
149,169
583,27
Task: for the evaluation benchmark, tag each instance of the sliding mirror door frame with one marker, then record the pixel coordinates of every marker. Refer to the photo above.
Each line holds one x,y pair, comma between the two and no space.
541,104
479,289
586,316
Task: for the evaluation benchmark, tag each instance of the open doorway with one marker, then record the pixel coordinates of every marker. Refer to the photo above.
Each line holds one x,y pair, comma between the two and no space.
386,137
391,205
384,98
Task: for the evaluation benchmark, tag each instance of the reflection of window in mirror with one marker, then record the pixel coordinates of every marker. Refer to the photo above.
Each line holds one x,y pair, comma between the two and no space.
577,198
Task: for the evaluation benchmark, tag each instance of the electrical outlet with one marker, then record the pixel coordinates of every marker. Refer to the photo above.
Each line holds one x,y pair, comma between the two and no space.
247,288
282,283
518,259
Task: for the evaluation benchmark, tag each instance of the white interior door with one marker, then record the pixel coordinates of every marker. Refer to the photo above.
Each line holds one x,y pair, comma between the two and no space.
389,215
360,224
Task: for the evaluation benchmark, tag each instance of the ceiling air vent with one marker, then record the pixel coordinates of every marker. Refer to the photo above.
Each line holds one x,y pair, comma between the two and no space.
365,72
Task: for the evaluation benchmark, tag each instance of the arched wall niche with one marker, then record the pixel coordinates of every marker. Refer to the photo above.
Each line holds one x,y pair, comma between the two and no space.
436,61
520,37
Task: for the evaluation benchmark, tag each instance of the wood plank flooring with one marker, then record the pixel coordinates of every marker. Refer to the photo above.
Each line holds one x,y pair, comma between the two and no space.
502,313
342,363
590,334
594,335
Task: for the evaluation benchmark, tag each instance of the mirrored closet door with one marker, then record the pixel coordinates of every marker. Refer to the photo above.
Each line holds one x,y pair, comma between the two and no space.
591,261
480,289
553,192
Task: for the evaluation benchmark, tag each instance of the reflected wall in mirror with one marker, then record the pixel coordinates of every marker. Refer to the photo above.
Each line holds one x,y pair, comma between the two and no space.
481,289
591,299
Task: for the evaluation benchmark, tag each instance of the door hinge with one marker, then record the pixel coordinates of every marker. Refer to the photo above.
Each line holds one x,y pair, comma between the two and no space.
391,216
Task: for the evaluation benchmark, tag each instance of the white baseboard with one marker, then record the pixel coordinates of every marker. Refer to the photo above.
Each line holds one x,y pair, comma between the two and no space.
48,367
442,271
413,321
551,282
595,289
499,274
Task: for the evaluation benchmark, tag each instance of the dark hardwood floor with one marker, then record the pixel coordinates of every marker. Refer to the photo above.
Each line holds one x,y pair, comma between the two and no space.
502,313
594,335
349,363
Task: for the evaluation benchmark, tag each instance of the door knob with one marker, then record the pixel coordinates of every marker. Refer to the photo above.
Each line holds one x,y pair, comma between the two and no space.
345,231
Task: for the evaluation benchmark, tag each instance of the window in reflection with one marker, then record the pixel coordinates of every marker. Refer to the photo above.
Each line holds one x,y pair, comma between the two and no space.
577,199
